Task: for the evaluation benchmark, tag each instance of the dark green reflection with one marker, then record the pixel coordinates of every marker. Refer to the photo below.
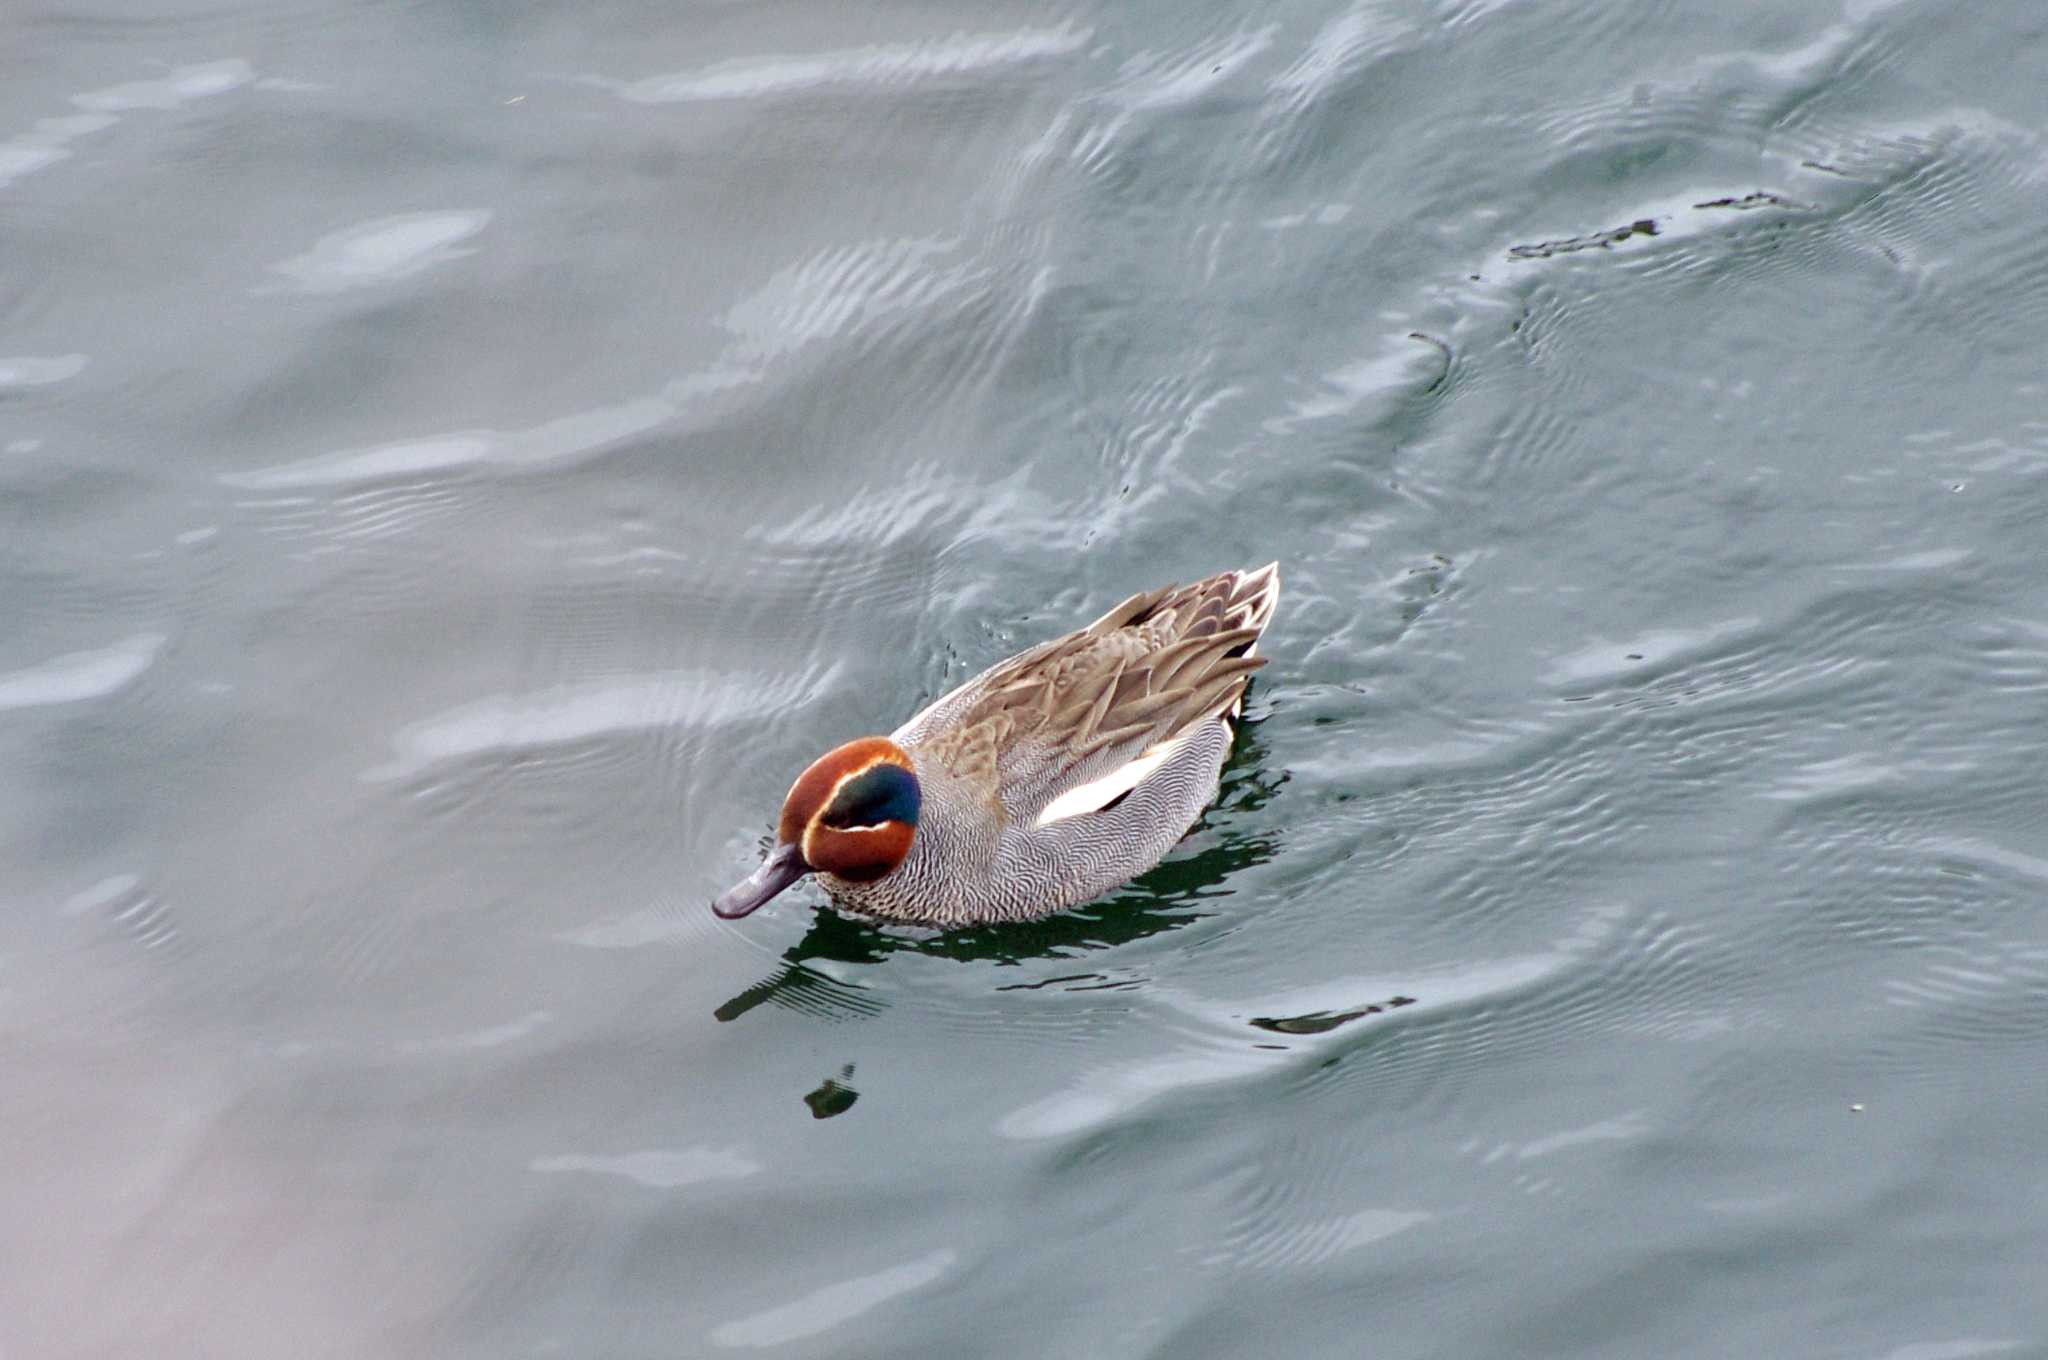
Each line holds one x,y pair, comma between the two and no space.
834,1096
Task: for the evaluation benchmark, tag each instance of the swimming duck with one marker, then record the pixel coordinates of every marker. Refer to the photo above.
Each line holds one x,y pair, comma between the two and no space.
1044,781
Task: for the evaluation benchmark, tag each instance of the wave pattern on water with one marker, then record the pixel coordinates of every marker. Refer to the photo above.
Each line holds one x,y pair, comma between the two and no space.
416,612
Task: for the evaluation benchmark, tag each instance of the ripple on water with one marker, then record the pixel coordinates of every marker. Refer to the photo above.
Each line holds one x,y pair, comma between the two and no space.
504,765
1624,976
1946,922
1110,125
574,643
383,250
1845,193
1415,1014
1704,100
1372,393
906,297
1830,180
560,442
392,511
1153,431
940,313
1329,78
2010,656
1905,193
125,903
1294,1230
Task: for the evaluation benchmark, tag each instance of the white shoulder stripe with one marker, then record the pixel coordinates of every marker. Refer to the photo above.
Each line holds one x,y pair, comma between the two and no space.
1097,794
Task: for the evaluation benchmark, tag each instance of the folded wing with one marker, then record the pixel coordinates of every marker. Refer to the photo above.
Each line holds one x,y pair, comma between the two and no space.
1072,725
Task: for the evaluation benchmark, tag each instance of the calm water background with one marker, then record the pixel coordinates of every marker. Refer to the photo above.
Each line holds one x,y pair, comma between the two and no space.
457,462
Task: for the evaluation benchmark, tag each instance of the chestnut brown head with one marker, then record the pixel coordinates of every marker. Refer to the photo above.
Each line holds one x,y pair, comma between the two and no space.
852,814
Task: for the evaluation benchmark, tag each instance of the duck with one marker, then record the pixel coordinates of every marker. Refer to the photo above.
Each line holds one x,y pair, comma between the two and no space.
1039,784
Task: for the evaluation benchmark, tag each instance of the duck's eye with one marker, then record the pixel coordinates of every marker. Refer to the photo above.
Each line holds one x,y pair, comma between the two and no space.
882,793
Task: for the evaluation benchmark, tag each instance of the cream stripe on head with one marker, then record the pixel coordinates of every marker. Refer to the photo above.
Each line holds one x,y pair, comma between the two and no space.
832,796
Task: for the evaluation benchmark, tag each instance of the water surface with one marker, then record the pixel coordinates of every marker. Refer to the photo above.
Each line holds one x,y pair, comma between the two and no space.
457,464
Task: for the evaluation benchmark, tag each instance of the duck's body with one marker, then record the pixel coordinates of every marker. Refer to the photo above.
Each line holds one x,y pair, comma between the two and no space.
1046,780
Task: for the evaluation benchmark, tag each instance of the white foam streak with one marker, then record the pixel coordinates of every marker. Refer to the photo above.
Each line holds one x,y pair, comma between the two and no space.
383,250
31,371
658,1168
181,86
77,676
47,143
824,1309
552,443
892,64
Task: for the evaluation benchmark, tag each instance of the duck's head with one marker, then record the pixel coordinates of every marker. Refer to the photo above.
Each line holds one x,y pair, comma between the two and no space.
852,814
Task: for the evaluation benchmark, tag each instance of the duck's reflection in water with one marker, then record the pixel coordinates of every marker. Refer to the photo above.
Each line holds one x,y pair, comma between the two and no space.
1322,1022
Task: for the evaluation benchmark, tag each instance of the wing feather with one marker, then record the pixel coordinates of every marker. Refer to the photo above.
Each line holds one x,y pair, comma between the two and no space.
1086,716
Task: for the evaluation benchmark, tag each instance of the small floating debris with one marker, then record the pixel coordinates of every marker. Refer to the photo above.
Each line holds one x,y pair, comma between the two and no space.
1760,199
1599,240
833,1095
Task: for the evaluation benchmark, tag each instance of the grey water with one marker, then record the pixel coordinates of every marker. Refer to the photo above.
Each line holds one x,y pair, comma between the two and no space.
458,462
